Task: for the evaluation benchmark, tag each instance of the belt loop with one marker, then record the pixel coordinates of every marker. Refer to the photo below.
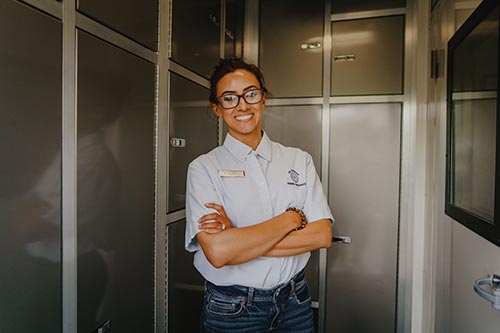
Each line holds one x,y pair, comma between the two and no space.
292,287
250,296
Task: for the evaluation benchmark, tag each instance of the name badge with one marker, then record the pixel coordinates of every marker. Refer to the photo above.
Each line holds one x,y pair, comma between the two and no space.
231,173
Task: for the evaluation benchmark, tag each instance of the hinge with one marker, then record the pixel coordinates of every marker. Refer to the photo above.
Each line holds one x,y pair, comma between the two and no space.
437,58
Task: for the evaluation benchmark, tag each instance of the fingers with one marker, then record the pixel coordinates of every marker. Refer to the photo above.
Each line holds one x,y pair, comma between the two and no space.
212,227
217,207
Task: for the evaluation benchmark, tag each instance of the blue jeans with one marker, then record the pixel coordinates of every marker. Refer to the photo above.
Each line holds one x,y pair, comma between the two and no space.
285,308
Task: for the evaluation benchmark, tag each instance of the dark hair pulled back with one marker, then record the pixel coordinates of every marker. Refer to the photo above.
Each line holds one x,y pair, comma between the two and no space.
230,65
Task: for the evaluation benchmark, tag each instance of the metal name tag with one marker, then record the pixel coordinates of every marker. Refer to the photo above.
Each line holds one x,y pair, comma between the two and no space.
231,173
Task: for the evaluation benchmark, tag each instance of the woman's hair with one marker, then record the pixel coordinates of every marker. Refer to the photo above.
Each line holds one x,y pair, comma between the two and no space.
230,65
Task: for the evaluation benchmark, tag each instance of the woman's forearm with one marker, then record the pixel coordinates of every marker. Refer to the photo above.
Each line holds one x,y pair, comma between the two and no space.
238,245
314,236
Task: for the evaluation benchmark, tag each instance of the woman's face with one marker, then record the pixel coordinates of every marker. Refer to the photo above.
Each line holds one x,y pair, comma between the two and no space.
243,120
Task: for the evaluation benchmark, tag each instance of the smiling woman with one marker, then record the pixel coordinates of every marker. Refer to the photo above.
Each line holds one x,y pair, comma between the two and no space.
247,216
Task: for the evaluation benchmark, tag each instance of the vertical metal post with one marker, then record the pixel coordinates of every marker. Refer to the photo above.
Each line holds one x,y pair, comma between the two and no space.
69,170
251,32
325,151
161,156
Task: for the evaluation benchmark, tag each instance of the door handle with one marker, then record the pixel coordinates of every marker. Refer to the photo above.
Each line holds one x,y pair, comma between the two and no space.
341,239
494,282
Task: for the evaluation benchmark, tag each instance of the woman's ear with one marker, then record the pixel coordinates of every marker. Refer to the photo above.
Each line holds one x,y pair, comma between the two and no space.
216,110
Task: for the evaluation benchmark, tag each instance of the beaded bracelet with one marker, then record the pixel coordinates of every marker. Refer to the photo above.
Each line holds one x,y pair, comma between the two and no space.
303,220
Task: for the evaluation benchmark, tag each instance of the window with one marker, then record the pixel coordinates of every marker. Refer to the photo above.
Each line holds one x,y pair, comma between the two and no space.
472,188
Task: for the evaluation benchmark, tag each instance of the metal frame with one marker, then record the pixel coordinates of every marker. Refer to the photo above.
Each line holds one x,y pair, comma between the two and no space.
69,172
161,234
368,14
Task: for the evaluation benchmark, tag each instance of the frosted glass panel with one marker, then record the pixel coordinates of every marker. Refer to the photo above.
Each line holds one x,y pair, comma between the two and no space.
185,284
137,20
195,34
296,126
192,120
291,47
299,126
344,6
364,196
30,170
367,56
115,188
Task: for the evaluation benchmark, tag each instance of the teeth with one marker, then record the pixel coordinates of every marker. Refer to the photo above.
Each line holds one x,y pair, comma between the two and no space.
245,117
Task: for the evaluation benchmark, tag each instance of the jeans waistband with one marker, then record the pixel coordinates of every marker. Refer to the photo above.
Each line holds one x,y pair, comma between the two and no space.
250,294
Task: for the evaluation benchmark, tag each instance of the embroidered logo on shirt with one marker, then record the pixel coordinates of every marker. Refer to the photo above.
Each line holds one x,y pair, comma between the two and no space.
294,175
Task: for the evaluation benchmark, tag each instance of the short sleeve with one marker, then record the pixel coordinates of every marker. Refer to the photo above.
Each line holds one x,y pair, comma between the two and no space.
200,189
316,205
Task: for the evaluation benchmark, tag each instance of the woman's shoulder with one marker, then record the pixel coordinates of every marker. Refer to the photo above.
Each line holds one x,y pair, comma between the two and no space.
294,152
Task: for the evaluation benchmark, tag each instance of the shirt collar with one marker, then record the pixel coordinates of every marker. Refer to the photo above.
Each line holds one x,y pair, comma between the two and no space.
241,150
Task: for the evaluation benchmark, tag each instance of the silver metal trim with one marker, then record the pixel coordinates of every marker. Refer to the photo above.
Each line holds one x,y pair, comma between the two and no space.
222,29
367,99
408,172
161,257
367,14
466,4
50,7
294,101
251,32
325,161
473,95
176,216
105,33
186,73
69,172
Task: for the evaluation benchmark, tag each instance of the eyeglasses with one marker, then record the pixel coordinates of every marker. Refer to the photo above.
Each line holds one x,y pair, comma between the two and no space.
229,101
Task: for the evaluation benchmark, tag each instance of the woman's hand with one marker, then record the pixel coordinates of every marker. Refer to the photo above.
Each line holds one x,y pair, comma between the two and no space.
214,222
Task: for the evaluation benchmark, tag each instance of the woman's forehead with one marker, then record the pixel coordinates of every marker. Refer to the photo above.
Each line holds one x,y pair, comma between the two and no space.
240,79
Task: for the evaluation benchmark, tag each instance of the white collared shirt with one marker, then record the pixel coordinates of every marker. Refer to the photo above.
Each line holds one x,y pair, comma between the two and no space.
252,186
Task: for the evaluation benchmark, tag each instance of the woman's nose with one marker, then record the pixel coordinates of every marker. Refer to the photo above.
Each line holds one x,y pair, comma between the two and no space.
242,104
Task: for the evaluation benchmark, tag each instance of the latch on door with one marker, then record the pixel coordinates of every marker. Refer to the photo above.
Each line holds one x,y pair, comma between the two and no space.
178,142
341,239
494,282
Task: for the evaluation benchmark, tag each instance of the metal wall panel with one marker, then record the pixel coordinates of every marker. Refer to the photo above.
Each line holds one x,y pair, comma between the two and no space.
196,34
291,44
233,46
299,126
192,120
367,54
137,20
344,6
30,172
364,196
185,284
115,198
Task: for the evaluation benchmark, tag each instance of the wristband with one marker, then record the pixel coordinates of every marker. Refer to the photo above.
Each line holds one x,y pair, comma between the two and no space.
303,220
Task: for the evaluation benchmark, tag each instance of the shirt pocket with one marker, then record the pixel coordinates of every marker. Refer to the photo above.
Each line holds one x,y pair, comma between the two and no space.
297,195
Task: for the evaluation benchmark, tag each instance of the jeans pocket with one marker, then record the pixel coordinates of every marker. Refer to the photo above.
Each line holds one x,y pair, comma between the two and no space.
302,294
224,307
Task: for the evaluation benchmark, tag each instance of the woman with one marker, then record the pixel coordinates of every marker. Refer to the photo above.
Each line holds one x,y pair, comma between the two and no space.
255,209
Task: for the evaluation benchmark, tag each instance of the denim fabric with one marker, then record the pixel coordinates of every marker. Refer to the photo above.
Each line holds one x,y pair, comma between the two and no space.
285,308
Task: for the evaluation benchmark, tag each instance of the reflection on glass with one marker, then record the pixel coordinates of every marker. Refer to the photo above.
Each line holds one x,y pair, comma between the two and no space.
115,182
138,20
345,6
30,170
367,56
185,284
191,120
195,34
474,107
